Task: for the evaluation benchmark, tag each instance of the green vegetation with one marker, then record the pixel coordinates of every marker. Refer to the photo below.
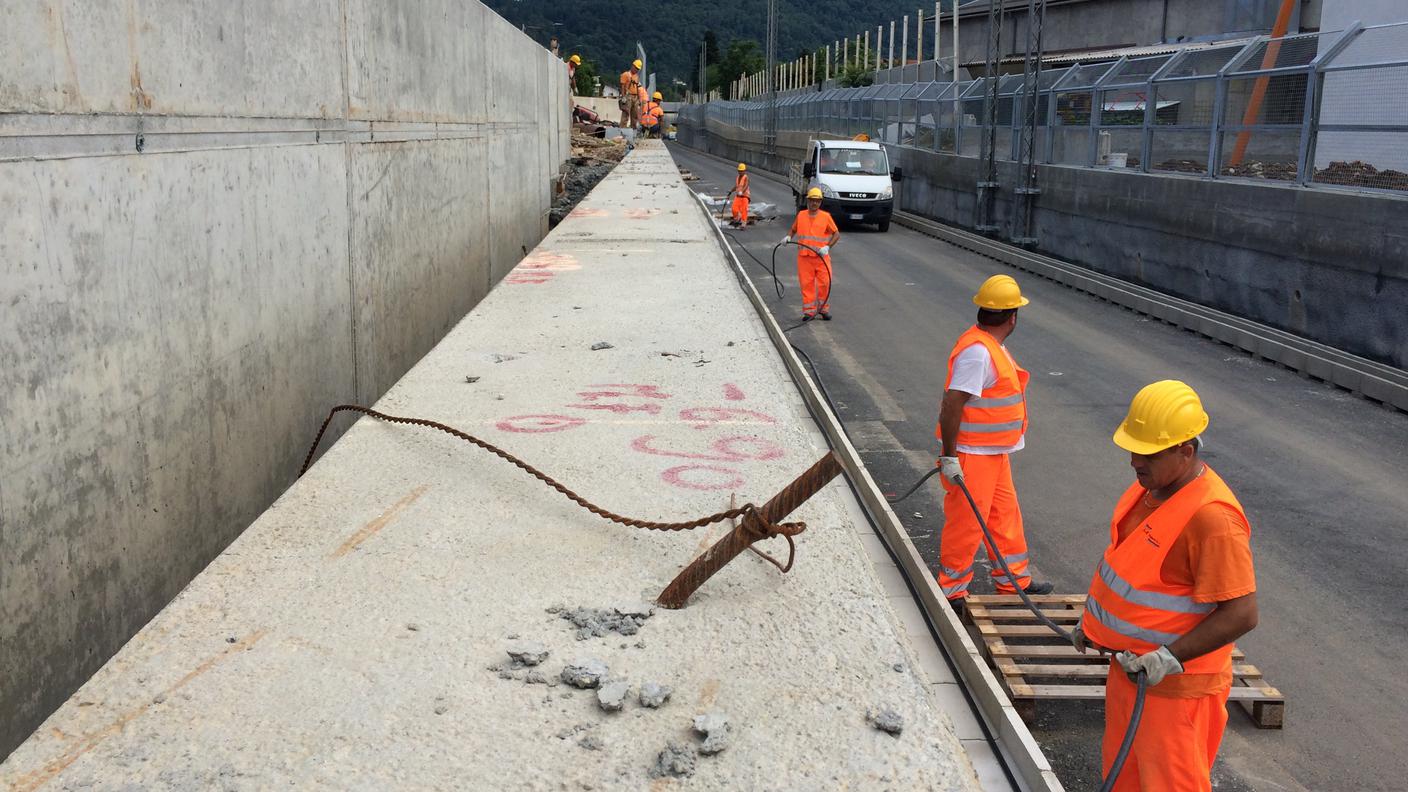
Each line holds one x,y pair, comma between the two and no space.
672,31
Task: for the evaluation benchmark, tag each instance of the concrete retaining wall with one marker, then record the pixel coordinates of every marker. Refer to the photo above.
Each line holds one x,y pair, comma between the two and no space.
216,221
1329,265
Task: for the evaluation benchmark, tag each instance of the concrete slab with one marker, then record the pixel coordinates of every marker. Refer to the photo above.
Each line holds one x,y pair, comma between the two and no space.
356,635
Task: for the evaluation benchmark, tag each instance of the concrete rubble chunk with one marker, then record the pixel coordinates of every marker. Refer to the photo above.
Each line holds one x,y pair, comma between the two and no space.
584,672
527,653
612,696
654,695
714,726
885,719
639,609
536,677
600,345
598,622
591,742
676,760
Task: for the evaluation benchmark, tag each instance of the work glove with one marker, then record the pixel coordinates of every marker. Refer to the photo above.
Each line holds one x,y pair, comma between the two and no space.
1156,664
950,469
787,240
825,250
1078,639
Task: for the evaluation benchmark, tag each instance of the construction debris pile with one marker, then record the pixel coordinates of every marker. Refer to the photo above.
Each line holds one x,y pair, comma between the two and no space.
592,158
1361,174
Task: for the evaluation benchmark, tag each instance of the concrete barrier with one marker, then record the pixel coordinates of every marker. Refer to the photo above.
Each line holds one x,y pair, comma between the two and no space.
1329,265
216,220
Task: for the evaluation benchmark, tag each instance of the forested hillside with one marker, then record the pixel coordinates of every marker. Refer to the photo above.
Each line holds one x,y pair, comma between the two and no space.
605,31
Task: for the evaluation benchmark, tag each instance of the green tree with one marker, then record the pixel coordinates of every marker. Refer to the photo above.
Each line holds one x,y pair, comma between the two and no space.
855,76
585,79
743,56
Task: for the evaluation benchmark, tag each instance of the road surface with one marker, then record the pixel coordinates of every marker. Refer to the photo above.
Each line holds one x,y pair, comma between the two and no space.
1320,472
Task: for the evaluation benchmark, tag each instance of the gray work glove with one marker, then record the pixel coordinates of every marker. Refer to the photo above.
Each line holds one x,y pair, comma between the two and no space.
950,469
1156,664
787,239
825,250
1078,639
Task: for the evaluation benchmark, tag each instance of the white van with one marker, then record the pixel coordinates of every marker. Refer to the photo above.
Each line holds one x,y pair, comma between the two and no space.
855,178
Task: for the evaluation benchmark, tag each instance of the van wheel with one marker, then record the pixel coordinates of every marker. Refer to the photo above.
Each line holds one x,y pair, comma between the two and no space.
884,226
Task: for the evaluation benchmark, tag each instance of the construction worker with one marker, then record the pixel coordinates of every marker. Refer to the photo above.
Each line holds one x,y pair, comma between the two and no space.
741,195
982,421
572,64
649,119
814,232
658,111
1175,588
630,96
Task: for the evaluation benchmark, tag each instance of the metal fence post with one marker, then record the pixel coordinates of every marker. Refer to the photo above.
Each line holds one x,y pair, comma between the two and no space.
1314,89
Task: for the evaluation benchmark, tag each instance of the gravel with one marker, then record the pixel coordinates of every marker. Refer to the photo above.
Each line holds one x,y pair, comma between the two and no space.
584,673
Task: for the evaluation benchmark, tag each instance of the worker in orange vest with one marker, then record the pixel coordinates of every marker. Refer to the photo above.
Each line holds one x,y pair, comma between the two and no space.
630,96
572,64
814,232
650,114
658,112
1175,588
982,421
741,196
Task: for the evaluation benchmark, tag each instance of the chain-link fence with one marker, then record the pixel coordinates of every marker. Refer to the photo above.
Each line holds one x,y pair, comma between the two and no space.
1315,108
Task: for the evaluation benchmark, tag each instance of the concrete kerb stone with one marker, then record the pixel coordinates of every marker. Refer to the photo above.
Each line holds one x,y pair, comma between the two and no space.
395,525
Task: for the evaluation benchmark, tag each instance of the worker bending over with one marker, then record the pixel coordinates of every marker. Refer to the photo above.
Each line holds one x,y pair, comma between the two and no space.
982,421
741,196
630,96
657,111
814,232
650,114
1175,588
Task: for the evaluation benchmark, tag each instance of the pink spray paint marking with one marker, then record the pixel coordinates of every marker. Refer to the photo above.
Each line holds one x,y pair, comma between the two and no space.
715,478
706,417
538,424
640,214
733,392
648,409
619,390
725,449
582,211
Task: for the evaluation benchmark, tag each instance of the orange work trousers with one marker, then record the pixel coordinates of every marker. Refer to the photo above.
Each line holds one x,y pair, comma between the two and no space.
1176,743
814,274
989,479
740,209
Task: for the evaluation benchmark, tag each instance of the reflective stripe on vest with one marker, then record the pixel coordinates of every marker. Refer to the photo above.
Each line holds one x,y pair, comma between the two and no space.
1129,605
997,418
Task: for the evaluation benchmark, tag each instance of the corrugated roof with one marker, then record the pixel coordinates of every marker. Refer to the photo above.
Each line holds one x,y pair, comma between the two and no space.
1091,56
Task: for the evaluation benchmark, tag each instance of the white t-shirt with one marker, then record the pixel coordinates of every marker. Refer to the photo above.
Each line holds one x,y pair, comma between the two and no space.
974,372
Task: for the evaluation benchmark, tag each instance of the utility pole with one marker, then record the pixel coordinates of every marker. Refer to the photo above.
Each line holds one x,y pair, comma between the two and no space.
986,205
770,117
1028,190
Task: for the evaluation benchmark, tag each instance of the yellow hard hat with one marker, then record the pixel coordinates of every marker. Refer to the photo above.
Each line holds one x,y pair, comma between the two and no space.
742,167
999,293
656,96
577,59
1162,415
636,63
814,192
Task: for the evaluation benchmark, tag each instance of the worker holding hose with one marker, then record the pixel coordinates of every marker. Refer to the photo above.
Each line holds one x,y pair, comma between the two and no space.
741,196
982,421
814,232
1175,588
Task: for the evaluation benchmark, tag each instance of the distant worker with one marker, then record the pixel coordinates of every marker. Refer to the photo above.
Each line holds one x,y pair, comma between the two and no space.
649,118
630,96
814,232
1175,588
741,196
572,64
982,421
658,110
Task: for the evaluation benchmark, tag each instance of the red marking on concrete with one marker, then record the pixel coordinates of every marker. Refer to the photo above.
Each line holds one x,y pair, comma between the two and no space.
640,214
619,390
549,260
650,409
733,392
538,424
705,417
726,449
528,278
686,476
582,211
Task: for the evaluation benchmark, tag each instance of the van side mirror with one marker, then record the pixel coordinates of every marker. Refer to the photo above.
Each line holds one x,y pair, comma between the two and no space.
809,169
896,174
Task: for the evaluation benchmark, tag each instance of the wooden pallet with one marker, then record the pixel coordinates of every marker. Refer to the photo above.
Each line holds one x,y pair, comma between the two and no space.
1034,664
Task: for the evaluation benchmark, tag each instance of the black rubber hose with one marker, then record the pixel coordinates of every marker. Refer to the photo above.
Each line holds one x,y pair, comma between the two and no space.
1141,679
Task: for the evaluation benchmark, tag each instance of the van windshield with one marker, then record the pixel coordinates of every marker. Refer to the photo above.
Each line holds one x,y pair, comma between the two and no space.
861,162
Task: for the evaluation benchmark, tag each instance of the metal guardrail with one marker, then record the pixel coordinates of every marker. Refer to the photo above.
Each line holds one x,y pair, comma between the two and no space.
1326,109
1373,380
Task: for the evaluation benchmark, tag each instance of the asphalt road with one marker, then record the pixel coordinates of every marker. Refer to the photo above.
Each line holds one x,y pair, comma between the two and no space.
1319,471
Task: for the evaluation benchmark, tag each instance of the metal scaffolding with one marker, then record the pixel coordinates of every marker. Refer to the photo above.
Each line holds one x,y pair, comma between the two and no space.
1027,190
985,220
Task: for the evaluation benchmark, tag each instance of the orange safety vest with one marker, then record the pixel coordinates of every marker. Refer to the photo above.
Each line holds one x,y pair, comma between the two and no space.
740,188
1129,606
649,117
629,85
998,418
814,232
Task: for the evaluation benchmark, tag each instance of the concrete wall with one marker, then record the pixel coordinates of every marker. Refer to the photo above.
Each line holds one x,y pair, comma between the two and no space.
1329,265
217,221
